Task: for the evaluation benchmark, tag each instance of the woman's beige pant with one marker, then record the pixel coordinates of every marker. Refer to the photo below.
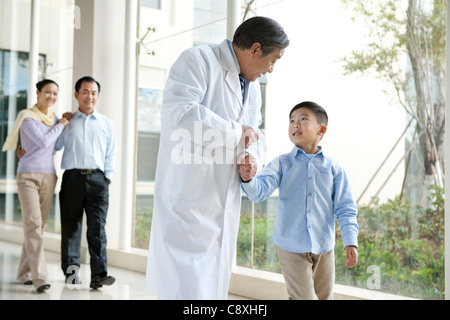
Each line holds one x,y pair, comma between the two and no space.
308,276
36,192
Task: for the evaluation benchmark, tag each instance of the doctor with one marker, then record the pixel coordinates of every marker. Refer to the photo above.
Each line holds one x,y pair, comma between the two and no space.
208,120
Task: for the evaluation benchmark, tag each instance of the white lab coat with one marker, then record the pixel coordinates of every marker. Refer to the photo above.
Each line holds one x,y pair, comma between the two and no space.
197,201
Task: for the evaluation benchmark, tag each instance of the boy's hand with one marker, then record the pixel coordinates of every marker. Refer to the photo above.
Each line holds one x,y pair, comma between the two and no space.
352,256
248,168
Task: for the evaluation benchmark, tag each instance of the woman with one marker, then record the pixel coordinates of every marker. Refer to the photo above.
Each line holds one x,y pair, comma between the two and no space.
36,178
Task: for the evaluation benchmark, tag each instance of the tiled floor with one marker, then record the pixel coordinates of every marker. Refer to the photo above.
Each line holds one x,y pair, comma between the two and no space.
129,285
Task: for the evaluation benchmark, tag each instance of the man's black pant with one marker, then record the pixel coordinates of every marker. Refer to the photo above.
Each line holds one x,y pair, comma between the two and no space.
83,190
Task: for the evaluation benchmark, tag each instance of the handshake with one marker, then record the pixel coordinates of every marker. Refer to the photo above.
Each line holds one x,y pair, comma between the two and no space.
247,163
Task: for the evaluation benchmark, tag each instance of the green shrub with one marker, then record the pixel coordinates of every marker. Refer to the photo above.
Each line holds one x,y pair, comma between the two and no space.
406,243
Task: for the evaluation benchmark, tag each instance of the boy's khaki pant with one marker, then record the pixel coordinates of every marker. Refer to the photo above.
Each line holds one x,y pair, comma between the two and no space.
308,276
36,192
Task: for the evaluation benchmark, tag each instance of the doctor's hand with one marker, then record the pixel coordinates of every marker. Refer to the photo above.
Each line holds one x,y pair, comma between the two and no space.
247,166
249,136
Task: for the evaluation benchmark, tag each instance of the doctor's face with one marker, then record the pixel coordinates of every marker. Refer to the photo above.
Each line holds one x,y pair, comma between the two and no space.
257,64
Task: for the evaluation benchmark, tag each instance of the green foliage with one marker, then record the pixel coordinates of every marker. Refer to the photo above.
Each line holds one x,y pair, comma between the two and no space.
386,40
406,49
264,252
390,33
407,244
142,227
413,235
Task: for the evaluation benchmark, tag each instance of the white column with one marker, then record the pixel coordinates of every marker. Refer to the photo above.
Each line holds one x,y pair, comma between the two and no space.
129,125
233,21
33,58
11,187
83,52
99,52
447,164
233,17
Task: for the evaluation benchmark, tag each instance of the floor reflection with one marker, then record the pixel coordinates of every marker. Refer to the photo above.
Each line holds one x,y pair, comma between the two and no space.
129,285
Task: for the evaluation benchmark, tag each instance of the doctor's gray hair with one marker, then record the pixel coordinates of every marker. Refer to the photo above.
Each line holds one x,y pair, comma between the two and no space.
266,31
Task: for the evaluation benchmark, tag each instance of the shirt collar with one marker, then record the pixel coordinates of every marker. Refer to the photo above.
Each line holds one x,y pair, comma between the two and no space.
78,113
230,45
297,151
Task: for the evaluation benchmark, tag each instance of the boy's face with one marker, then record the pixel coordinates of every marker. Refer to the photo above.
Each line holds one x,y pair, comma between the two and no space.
304,131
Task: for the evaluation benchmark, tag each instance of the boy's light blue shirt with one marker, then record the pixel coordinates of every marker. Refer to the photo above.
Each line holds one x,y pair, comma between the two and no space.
312,191
89,143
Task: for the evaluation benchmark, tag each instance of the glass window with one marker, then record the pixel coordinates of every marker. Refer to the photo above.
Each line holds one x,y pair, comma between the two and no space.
151,78
209,21
156,58
401,219
143,221
154,4
149,110
255,248
13,98
55,61
399,193
167,38
149,127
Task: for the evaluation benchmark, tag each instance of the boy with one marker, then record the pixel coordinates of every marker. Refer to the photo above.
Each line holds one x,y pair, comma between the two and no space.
312,190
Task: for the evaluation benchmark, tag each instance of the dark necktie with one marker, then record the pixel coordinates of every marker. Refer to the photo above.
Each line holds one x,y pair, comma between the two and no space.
242,81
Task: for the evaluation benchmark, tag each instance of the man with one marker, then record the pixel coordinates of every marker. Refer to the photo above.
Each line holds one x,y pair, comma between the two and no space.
89,161
207,119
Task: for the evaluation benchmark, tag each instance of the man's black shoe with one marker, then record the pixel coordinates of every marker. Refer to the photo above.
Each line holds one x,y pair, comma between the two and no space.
101,279
43,288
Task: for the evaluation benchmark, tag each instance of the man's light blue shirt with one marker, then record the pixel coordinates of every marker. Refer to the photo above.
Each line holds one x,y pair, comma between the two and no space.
89,143
312,191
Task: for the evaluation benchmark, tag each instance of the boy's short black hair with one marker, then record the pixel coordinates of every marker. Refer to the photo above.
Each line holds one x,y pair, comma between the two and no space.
320,112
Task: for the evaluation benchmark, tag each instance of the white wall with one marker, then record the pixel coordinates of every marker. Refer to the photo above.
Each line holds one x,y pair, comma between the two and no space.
99,52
